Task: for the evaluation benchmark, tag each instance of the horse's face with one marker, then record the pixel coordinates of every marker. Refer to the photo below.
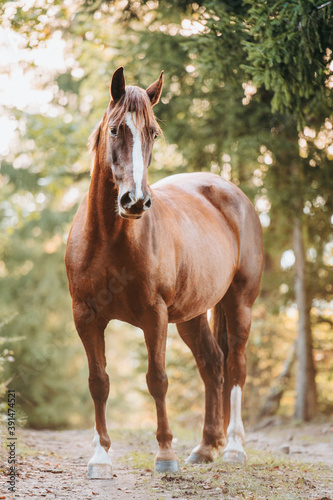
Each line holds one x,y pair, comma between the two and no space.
130,145
130,133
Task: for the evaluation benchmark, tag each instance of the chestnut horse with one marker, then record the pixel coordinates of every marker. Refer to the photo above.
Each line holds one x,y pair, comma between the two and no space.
166,253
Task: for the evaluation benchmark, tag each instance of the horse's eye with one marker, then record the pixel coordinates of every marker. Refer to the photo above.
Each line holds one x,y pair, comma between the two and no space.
114,131
154,134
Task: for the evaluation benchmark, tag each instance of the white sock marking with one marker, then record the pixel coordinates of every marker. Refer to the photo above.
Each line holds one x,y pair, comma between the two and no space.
138,166
100,455
235,430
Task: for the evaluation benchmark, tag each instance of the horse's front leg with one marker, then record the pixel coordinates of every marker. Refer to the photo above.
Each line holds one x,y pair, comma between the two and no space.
155,331
91,332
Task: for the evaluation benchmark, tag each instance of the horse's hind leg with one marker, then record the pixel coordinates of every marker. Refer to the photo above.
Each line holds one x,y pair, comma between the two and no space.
237,307
92,336
209,358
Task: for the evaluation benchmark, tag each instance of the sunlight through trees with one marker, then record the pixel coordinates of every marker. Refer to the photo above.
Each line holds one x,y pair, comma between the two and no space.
248,96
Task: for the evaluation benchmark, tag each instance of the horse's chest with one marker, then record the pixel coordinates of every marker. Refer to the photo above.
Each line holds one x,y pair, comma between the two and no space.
114,287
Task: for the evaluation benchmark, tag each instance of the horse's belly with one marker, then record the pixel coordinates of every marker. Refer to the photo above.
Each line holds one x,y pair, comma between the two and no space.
200,288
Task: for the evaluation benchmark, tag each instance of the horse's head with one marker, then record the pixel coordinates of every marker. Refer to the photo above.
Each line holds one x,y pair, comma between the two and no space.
126,138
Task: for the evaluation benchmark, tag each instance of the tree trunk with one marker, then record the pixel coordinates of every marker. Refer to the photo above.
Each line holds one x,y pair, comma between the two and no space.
306,393
272,402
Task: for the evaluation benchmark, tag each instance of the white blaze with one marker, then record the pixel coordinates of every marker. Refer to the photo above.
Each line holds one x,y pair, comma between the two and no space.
138,166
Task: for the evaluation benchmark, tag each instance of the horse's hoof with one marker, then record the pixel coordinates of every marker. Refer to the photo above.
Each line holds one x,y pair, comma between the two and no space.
234,457
166,465
198,458
99,471
202,454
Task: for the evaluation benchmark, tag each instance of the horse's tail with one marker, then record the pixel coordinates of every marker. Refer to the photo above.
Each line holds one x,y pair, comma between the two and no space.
219,328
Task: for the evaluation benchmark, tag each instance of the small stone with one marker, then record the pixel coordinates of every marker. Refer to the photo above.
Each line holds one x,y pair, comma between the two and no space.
285,448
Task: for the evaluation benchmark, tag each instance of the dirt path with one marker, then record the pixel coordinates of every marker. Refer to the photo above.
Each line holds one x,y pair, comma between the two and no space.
53,465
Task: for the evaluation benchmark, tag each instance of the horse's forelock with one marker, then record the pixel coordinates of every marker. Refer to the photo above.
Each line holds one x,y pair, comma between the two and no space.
136,101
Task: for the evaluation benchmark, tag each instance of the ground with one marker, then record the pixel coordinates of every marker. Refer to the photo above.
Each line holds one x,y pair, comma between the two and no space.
53,464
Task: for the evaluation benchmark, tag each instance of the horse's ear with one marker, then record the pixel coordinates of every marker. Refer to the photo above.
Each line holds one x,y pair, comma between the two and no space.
155,89
117,88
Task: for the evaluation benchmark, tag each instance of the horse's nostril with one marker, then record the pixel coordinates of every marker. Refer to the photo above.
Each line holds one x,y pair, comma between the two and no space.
148,203
130,204
126,200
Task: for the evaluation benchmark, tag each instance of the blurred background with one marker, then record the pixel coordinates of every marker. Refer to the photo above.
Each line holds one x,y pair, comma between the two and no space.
248,96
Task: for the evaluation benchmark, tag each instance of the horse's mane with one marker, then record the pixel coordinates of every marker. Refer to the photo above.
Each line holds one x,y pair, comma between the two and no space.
94,139
135,100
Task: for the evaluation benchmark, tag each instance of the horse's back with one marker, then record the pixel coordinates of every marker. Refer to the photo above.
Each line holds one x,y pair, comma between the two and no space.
187,191
193,180
223,194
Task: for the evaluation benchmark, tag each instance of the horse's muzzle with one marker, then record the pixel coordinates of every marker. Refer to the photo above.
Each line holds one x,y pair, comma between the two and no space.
131,207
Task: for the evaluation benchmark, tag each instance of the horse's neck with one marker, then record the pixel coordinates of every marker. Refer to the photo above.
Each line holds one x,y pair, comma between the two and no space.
102,213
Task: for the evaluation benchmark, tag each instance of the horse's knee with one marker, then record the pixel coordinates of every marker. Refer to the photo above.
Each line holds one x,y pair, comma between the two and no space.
99,386
157,382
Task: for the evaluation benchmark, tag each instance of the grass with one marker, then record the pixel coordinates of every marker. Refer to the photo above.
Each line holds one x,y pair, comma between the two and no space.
139,460
264,477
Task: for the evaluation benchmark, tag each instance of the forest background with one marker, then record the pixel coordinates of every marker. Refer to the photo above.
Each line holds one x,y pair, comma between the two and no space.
248,96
